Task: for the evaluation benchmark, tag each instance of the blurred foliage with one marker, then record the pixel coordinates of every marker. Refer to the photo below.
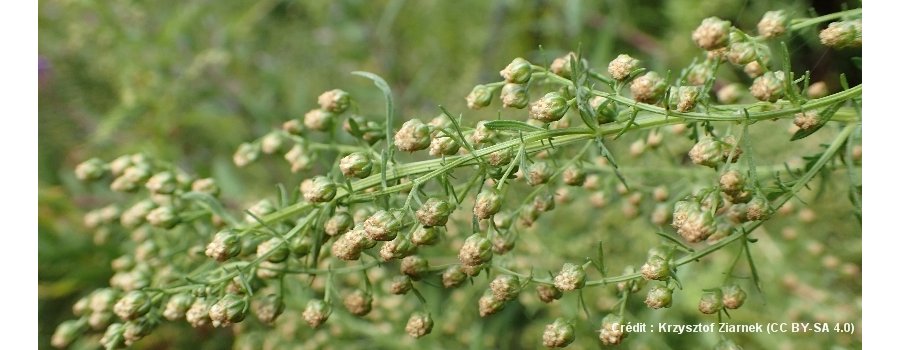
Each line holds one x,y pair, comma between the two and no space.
187,81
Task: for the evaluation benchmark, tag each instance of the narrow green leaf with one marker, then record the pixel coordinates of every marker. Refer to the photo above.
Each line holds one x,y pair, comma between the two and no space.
511,125
824,117
389,107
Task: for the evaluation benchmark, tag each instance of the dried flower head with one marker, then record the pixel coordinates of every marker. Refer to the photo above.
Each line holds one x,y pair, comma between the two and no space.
733,296
550,108
419,324
319,189
230,309
842,34
505,287
558,334
773,24
487,203
806,120
658,297
648,88
570,277
316,313
356,165
443,146
358,302
413,136
712,33
453,276
177,306
350,245
319,120
768,87
489,304
476,250
710,301
514,96
435,212
133,305
517,72
538,173
334,101
400,285
656,268
611,330
338,223
479,97
622,66
198,314
383,225
225,245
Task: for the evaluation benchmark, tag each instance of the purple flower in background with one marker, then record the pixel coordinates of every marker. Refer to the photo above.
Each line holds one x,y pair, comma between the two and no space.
43,70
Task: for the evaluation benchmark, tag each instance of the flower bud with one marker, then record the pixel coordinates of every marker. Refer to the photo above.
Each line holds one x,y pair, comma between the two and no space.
163,217
517,72
435,212
710,302
117,166
356,164
503,220
505,287
622,66
758,209
138,329
268,308
648,88
773,24
754,69
358,302
246,153
425,236
684,98
419,324
293,127
270,270
383,225
548,293
731,93
558,334
489,304
349,245
413,136
741,52
205,185
487,203
272,142
842,34
162,183
733,296
806,120
502,244
225,245
338,223
606,114
318,120
500,157
483,134
300,246
443,146
700,73
398,248
570,278
298,157
529,215
731,181
692,223
198,314
414,266
335,101
708,151
656,268
538,173
476,250
133,305
573,175
453,276
228,310
274,249
113,338
612,330
67,332
712,33
319,189
514,96
562,65
479,97
400,285
817,90
658,297
316,313
472,270
90,170
550,108
769,87
177,306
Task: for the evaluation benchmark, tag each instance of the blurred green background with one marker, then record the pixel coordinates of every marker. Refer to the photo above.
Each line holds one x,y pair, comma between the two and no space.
187,81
